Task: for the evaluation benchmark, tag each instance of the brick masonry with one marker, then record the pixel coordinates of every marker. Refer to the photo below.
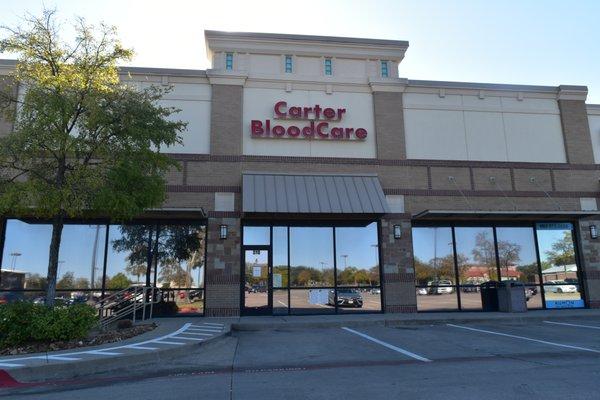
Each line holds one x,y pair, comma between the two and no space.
226,119
589,256
389,125
576,131
223,260
397,266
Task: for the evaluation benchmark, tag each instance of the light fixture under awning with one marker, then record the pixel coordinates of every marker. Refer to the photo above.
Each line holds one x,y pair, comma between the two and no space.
503,215
312,193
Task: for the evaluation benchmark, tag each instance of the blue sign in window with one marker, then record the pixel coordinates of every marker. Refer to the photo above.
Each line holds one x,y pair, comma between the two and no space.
565,303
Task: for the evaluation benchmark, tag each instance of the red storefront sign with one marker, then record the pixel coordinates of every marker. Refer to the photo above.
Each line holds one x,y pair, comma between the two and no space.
320,123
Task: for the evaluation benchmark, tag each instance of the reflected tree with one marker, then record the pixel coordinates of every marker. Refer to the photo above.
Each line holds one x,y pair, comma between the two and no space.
562,252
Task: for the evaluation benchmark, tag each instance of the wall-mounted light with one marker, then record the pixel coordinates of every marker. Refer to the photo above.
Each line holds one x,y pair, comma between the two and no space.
397,232
223,232
593,232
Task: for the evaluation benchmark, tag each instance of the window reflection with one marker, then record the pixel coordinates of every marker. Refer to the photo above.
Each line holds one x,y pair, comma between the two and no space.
516,253
476,255
280,258
311,256
357,256
257,235
559,265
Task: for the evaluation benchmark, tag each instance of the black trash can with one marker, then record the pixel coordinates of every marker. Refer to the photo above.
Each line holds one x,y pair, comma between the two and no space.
489,296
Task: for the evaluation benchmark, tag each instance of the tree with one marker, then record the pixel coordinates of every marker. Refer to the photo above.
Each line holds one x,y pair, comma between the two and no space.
119,281
485,254
562,252
83,144
35,281
67,281
136,269
509,254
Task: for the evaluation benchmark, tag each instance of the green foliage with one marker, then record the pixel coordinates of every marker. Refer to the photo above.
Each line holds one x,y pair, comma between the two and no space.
563,251
119,281
24,322
84,143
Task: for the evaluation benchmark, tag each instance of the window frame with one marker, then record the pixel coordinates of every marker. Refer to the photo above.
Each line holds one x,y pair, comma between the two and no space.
229,61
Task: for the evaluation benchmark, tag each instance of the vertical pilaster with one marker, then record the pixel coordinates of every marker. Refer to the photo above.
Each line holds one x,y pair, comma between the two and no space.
398,269
223,268
589,257
575,124
389,125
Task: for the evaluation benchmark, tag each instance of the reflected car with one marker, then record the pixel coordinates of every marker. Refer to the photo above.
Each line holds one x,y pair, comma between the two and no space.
440,287
375,291
422,291
257,289
346,297
560,287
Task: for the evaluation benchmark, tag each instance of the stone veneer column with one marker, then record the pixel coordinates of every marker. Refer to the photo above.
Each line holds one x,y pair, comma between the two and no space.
399,293
389,125
589,256
226,119
223,268
575,124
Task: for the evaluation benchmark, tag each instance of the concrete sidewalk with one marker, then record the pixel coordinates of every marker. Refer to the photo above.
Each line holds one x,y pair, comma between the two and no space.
172,338
358,320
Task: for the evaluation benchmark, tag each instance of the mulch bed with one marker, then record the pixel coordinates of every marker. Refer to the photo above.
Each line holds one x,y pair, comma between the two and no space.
95,338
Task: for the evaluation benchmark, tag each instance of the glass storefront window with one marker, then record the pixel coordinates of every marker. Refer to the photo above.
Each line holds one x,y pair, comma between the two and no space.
25,255
311,257
559,265
81,257
127,258
516,253
434,268
257,235
357,256
280,258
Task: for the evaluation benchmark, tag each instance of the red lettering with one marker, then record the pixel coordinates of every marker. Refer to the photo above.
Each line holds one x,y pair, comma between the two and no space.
349,132
329,113
295,112
340,112
278,130
278,111
307,110
317,111
293,131
320,127
361,133
256,128
268,127
309,131
337,133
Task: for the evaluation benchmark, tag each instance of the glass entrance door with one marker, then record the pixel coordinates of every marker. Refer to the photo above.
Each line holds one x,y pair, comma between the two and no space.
257,281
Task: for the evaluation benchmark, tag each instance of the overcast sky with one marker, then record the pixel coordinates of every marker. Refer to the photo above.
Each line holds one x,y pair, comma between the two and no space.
524,42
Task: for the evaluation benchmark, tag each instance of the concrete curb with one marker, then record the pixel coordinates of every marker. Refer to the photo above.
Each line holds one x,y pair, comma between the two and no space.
390,320
74,369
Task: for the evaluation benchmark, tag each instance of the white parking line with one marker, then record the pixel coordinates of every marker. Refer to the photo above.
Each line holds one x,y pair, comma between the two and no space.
165,342
142,348
575,325
282,303
7,365
187,338
389,346
103,353
196,333
209,323
62,358
568,346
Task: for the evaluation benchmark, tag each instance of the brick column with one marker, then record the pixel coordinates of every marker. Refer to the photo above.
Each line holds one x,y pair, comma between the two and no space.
397,263
226,119
389,125
223,268
575,124
589,256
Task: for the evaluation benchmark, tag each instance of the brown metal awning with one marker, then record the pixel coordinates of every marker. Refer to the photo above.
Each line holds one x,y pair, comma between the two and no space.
431,215
312,194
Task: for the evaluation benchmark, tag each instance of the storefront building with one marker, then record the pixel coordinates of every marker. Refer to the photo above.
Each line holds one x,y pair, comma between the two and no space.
314,179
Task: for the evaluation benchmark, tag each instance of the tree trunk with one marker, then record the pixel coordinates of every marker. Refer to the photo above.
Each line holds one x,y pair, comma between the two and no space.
57,228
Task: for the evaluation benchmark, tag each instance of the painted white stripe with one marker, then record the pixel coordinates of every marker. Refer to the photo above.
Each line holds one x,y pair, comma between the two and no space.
210,323
568,346
103,353
202,330
282,303
389,346
187,338
575,325
135,347
7,365
165,342
62,358
196,333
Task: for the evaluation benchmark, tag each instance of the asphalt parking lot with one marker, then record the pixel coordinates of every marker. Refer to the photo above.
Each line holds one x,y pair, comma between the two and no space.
494,360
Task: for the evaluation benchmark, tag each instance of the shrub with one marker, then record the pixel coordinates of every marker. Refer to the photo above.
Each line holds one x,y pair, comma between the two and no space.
124,324
24,322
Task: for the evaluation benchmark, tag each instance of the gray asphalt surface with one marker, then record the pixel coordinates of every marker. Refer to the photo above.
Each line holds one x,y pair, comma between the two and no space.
499,360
